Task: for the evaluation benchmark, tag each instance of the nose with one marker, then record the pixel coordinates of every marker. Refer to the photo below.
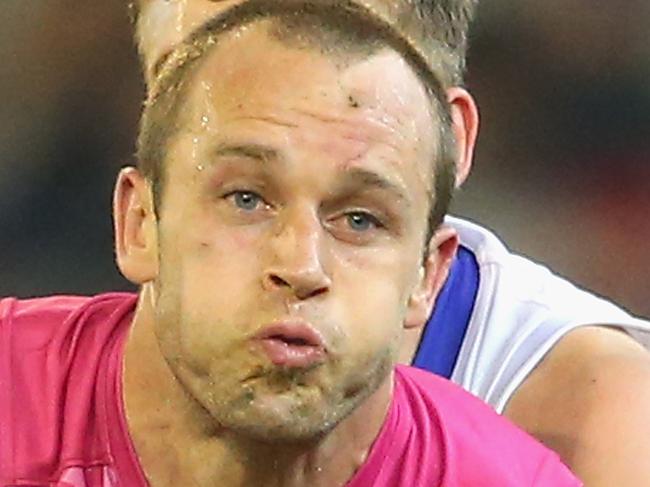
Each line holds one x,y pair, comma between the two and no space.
296,263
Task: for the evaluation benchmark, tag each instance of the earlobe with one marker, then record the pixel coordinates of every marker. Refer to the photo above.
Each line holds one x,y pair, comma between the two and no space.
465,122
134,222
433,274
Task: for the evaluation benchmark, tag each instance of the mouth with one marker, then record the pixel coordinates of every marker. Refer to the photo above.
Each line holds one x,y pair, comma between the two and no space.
292,344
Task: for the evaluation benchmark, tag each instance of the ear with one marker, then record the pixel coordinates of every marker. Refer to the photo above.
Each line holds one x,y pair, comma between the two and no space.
134,221
433,274
465,122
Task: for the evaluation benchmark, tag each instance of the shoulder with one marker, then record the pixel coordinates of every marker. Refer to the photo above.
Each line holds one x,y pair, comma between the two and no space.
32,323
480,446
460,413
589,400
515,287
55,354
521,311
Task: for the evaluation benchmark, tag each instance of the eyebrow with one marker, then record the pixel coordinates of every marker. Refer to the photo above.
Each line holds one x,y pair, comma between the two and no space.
364,177
355,176
251,151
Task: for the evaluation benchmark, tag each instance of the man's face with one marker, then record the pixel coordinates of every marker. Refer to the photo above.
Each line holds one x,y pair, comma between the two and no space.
291,231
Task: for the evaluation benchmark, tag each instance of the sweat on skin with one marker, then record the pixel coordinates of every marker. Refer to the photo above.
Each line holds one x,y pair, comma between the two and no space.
551,398
284,204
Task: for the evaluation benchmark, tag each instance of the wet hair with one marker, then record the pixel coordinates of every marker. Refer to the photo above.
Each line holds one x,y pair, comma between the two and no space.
344,29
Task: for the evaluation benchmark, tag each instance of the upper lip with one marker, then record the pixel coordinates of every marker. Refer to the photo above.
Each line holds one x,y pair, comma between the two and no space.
292,332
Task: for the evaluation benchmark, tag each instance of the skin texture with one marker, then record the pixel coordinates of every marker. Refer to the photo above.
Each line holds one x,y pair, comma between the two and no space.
283,201
164,24
572,400
586,400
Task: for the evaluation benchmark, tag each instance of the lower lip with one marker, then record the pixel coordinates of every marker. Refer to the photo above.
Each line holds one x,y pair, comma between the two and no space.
288,355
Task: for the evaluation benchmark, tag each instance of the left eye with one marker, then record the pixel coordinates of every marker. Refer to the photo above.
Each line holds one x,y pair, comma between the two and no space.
360,221
246,200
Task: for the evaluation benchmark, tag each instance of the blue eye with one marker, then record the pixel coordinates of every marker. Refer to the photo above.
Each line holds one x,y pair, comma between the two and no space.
361,222
246,200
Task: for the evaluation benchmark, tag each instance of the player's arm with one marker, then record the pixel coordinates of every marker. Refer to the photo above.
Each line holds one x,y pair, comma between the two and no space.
589,400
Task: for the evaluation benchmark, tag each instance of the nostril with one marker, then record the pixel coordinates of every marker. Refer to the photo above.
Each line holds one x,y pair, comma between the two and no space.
278,281
318,292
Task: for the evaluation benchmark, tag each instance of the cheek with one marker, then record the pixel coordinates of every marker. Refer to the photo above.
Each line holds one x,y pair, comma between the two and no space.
230,243
214,252
221,269
388,270
373,289
209,281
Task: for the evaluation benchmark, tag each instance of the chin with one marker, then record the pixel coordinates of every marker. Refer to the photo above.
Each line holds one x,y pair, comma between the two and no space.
293,416
289,432
291,406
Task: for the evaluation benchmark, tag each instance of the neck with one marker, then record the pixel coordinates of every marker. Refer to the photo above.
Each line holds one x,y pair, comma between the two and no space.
179,443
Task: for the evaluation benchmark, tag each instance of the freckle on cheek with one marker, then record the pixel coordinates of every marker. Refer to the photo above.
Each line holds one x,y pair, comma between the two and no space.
353,102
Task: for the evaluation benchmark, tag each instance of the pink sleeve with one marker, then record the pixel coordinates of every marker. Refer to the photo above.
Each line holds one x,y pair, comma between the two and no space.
553,472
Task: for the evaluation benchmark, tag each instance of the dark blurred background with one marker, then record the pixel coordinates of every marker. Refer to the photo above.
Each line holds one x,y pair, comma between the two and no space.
562,171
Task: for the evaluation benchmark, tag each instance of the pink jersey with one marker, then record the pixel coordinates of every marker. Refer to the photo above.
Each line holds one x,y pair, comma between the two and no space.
62,421
437,434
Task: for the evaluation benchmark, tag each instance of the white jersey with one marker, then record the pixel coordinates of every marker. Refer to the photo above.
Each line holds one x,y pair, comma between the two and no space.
520,311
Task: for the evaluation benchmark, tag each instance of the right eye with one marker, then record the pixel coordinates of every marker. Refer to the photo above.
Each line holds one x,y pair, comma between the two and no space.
246,200
361,221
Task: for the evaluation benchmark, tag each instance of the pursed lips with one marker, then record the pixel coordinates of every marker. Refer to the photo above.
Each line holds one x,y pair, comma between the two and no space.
292,344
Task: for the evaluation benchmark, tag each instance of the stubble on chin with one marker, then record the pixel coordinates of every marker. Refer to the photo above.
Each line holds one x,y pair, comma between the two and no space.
295,406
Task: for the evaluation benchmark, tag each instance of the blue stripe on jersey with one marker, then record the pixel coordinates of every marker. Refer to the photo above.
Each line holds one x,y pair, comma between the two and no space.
445,330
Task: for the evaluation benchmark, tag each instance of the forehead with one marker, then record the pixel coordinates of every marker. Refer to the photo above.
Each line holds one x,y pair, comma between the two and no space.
249,71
